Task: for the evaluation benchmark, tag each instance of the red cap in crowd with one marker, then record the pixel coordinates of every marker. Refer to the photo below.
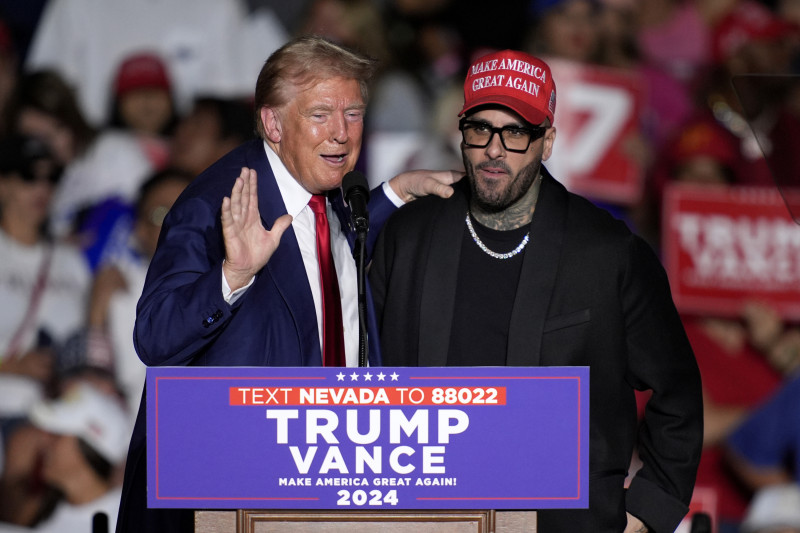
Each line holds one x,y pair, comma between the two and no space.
748,21
140,71
706,138
515,80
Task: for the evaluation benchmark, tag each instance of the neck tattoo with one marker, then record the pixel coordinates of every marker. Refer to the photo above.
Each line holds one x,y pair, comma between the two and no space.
521,246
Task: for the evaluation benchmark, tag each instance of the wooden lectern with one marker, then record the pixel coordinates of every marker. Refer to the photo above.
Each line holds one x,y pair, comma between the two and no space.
447,521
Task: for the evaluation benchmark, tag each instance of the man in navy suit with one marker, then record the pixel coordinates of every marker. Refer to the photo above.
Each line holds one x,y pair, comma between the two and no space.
235,280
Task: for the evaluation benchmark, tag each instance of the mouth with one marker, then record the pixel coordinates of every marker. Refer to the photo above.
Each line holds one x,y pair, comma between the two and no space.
491,172
335,159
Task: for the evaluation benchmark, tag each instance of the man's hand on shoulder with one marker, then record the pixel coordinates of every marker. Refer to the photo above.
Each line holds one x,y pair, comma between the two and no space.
417,183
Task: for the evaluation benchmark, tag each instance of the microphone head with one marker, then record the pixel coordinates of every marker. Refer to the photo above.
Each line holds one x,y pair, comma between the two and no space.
352,181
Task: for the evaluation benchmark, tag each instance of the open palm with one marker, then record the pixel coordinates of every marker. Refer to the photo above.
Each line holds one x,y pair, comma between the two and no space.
248,244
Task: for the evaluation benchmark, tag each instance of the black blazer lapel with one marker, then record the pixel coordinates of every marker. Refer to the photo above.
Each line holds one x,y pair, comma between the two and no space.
439,282
537,279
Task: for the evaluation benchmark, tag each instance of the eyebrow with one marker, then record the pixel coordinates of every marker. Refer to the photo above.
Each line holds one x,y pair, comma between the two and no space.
513,124
329,108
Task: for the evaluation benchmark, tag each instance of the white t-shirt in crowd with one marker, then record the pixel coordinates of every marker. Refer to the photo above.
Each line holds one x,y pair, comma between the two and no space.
210,47
61,310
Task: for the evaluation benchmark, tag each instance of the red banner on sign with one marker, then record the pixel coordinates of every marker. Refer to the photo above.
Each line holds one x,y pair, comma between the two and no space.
596,120
367,396
724,246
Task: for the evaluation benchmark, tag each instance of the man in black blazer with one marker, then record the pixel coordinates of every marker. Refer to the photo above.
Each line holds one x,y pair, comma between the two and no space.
515,270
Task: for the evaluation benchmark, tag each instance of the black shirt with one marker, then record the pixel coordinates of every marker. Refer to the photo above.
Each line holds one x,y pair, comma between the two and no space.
485,293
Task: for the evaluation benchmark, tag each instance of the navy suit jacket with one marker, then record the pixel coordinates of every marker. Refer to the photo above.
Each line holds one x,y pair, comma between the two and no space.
183,319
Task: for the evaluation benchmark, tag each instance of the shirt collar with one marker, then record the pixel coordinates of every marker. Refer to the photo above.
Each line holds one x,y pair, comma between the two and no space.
295,197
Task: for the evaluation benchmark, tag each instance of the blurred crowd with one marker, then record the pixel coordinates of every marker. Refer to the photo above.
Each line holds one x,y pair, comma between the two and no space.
104,119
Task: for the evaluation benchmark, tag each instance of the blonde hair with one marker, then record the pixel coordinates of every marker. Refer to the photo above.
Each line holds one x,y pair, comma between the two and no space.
302,62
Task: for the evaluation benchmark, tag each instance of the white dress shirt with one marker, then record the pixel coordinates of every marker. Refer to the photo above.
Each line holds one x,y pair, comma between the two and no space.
296,198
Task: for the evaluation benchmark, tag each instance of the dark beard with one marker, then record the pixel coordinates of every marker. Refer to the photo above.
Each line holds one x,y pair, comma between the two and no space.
497,201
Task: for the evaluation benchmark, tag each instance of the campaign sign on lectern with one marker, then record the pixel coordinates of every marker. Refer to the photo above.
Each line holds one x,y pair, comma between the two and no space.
368,438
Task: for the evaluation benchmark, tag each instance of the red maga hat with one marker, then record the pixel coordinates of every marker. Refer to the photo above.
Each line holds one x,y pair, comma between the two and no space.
139,71
515,80
748,21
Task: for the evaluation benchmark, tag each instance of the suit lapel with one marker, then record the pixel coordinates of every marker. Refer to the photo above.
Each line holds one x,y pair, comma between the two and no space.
285,266
439,283
537,279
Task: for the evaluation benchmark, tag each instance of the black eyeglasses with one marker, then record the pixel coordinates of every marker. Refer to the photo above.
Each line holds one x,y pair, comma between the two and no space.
477,134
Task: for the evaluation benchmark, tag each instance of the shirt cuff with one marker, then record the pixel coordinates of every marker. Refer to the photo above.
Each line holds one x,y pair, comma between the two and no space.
390,194
231,296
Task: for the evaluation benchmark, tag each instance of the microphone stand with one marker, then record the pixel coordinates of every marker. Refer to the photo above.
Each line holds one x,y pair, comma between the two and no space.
360,252
356,193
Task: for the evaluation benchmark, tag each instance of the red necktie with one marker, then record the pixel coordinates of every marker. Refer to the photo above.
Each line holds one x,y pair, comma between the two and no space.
332,329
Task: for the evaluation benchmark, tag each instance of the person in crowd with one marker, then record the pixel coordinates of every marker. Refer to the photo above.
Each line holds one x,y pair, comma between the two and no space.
87,435
143,104
749,39
573,36
44,283
667,100
26,497
567,29
211,129
235,279
97,164
567,285
674,36
144,112
119,282
737,377
764,449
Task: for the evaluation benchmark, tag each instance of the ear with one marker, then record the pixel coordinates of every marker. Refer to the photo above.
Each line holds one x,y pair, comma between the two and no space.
272,124
547,147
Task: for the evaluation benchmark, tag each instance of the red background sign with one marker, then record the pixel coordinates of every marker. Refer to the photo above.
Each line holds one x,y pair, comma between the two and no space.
724,246
597,114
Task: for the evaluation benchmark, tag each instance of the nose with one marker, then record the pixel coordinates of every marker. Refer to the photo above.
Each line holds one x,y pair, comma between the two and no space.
495,148
338,128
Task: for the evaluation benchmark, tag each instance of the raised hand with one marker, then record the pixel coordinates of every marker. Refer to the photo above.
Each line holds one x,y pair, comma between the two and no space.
248,244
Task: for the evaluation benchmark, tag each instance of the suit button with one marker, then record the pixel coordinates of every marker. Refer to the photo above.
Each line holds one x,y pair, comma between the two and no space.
212,319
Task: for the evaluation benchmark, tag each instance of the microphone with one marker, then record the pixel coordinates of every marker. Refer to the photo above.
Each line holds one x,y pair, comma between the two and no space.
100,522
356,193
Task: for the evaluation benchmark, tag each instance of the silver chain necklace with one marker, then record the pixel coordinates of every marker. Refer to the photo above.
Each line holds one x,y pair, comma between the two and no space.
492,253
521,246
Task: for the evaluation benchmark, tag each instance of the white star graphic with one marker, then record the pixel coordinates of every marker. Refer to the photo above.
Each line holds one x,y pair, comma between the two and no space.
381,376
367,377
339,377
353,377
394,376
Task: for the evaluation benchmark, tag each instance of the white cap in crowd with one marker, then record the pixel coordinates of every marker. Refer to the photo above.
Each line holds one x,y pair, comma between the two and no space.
775,508
97,418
